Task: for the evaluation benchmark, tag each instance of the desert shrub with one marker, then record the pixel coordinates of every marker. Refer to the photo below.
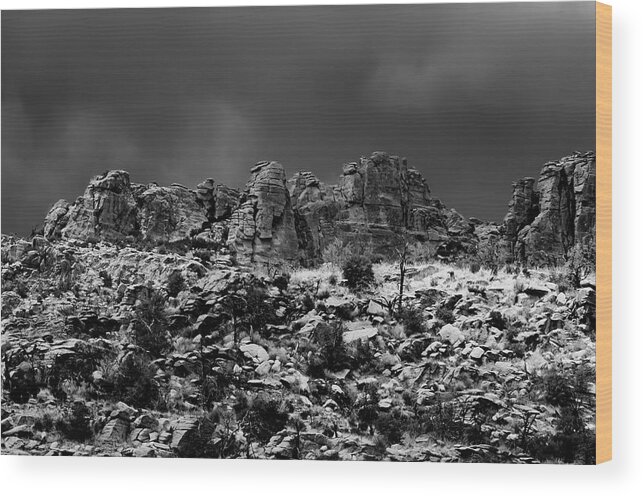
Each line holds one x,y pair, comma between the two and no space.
409,397
558,275
203,254
107,279
335,253
44,422
331,352
213,388
567,389
323,293
366,408
413,320
281,281
151,306
573,442
421,252
247,305
75,422
442,421
496,320
134,381
391,426
264,417
510,333
260,312
444,314
175,283
362,354
358,272
151,338
488,256
150,327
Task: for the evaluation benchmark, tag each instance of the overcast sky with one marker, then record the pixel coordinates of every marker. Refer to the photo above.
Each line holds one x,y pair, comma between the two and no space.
474,95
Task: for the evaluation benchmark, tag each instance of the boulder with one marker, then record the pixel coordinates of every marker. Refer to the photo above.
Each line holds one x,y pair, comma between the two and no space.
115,431
376,308
255,352
183,435
360,334
477,353
451,334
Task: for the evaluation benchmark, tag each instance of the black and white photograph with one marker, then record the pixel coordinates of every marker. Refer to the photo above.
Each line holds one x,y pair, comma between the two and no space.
333,232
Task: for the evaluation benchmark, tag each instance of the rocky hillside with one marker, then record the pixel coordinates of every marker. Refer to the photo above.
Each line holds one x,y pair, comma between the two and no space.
299,320
377,202
116,351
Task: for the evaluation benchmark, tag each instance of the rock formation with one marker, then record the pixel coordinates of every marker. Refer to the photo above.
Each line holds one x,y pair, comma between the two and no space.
546,219
56,219
377,203
218,199
106,210
315,207
168,214
112,208
262,228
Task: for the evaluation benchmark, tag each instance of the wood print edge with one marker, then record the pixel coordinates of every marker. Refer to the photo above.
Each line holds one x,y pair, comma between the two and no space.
603,232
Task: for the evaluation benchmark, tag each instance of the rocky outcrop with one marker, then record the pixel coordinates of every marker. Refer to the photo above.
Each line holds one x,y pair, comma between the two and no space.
315,207
377,203
56,219
107,209
112,209
523,207
169,214
262,228
218,199
547,218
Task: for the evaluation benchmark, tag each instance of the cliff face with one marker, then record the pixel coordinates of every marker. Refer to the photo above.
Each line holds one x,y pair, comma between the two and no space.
112,209
106,210
262,228
167,214
376,200
548,217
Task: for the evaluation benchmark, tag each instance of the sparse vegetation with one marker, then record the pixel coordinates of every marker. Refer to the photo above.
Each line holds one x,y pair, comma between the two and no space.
320,362
175,283
358,272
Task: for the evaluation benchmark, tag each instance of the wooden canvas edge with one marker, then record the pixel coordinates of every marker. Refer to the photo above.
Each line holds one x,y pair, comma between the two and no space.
603,232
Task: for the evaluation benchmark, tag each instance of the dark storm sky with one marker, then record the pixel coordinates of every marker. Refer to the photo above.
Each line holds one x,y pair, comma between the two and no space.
475,96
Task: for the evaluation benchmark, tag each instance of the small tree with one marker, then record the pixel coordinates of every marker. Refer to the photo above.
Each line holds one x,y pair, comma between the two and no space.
175,283
402,256
150,325
235,307
358,272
